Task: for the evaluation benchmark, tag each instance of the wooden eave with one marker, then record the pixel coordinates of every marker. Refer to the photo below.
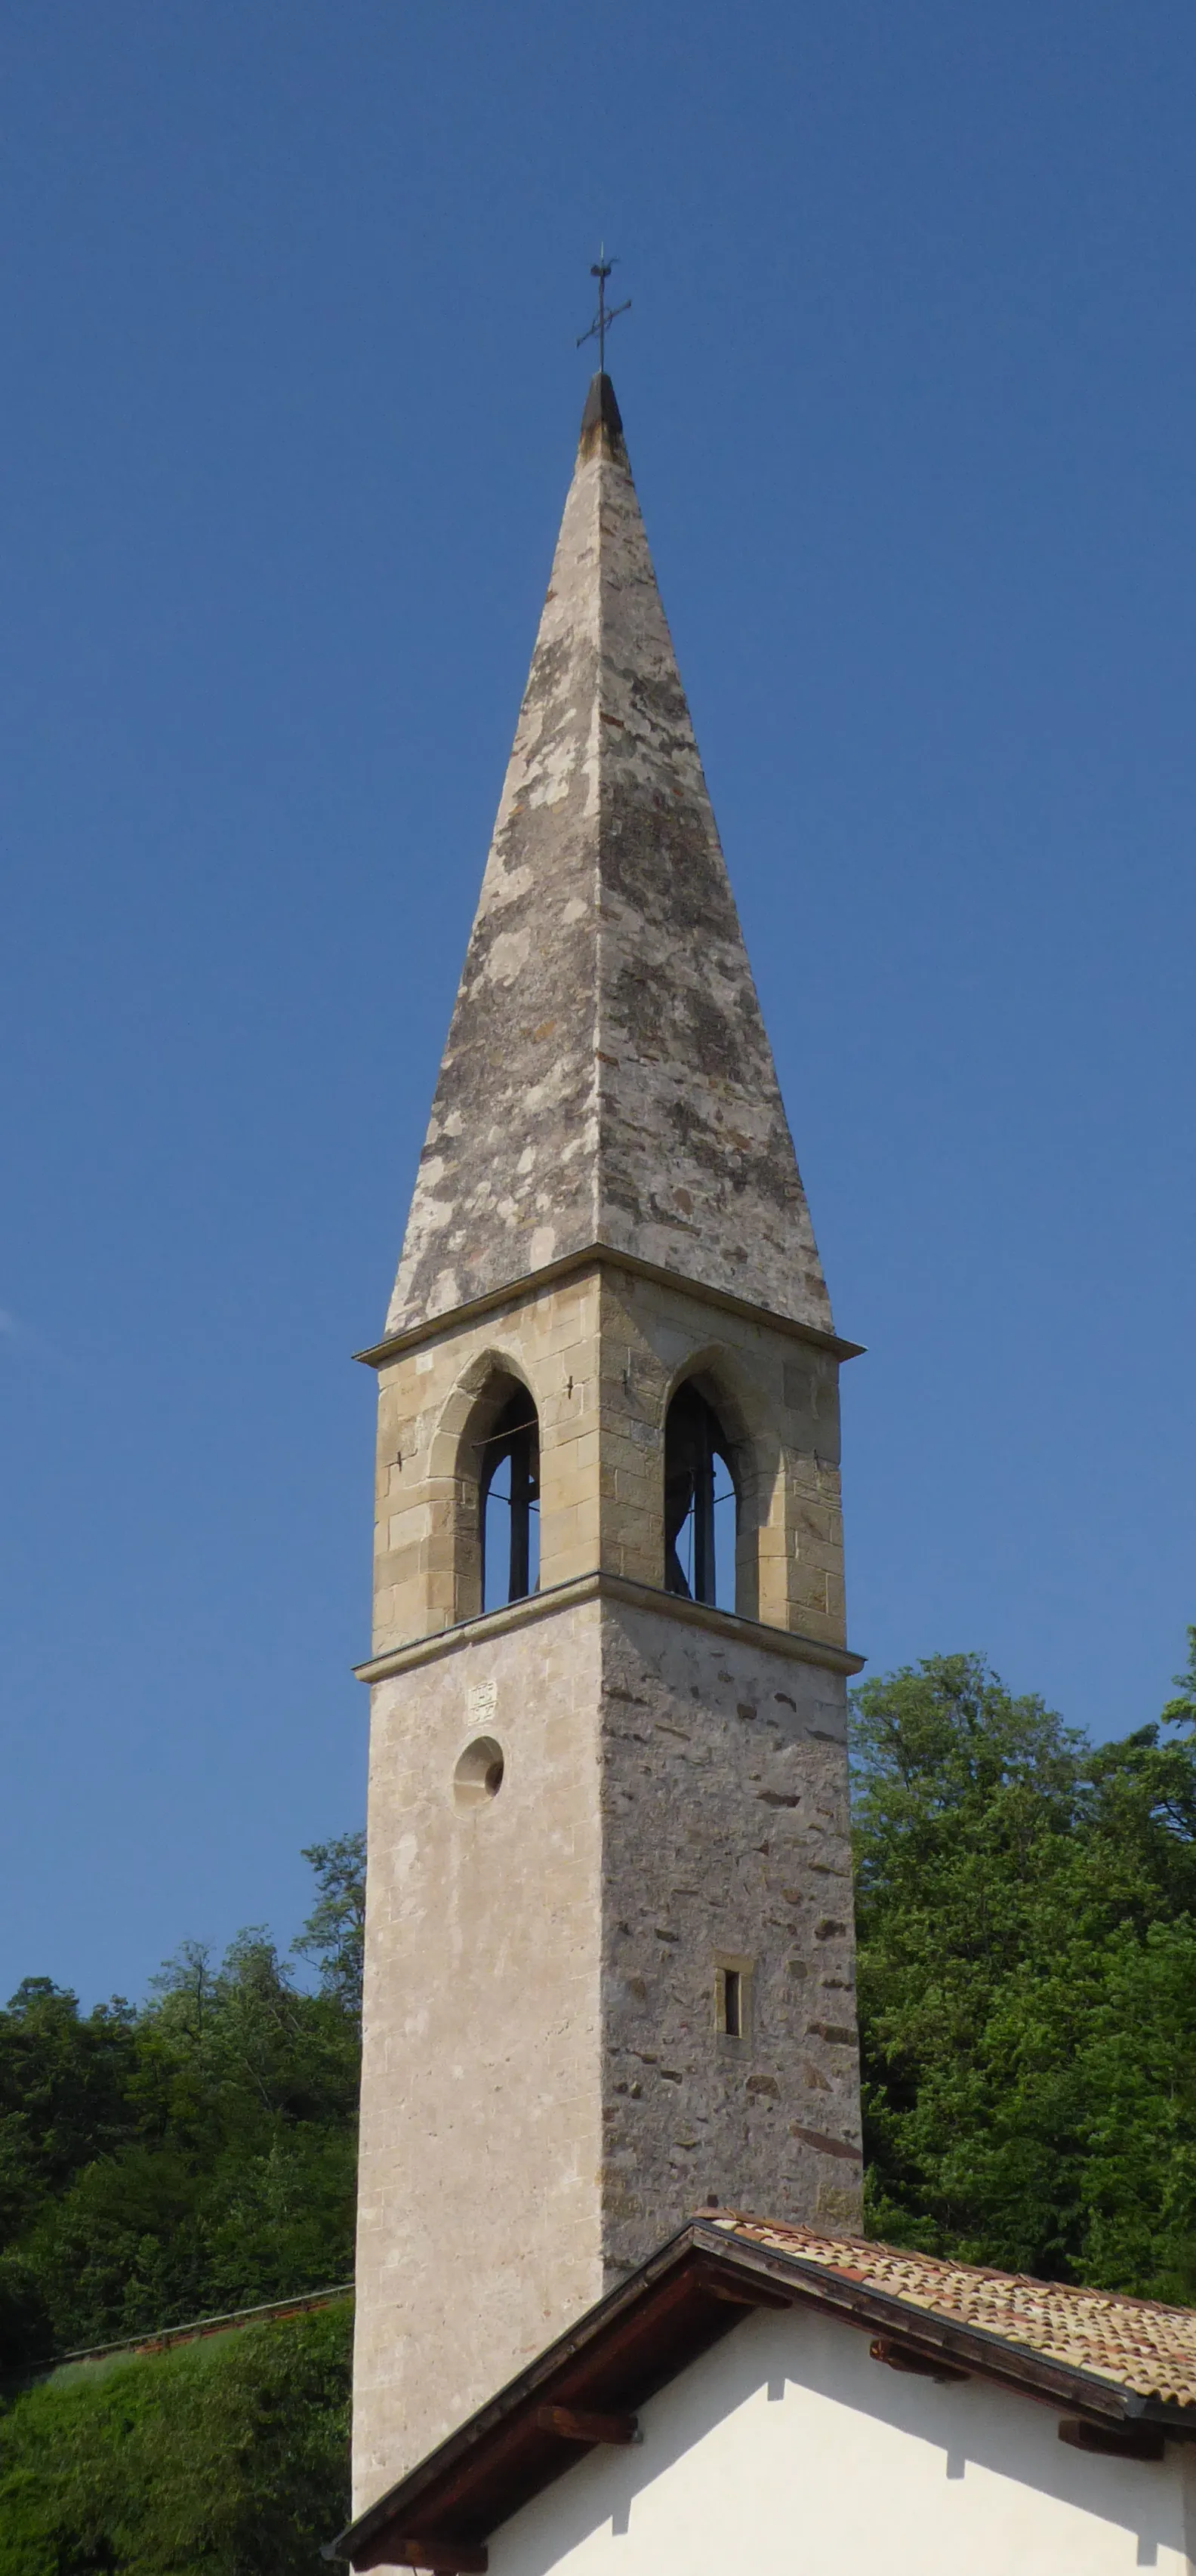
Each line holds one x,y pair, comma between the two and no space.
691,2293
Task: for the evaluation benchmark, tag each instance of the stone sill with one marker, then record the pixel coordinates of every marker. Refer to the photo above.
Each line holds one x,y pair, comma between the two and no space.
608,1587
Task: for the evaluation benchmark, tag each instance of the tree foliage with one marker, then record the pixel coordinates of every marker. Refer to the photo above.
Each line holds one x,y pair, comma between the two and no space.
189,2157
334,1933
1026,1909
224,2458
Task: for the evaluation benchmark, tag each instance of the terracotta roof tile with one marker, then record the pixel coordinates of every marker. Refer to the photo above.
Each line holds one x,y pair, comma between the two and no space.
1137,2344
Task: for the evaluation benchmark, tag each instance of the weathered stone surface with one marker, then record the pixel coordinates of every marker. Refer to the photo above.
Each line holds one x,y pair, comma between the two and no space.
479,2227
724,1802
607,1077
545,2095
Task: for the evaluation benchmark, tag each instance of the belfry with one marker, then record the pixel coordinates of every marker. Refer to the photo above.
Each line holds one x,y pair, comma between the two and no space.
608,1942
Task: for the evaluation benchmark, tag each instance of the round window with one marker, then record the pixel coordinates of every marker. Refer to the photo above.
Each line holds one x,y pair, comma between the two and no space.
479,1772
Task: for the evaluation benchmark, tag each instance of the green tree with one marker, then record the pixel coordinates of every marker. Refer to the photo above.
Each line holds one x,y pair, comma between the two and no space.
334,1933
1182,1711
191,2157
1026,1910
226,2458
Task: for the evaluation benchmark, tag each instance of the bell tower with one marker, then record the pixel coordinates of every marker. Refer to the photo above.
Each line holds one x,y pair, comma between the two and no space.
608,1940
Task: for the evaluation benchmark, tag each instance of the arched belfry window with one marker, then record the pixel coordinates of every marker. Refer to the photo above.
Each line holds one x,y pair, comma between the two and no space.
509,1486
700,1502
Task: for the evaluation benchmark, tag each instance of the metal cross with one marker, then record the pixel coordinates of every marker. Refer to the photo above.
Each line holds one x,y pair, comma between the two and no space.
602,319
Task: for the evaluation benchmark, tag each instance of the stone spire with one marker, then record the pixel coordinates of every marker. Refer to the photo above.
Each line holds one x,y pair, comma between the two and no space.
607,1078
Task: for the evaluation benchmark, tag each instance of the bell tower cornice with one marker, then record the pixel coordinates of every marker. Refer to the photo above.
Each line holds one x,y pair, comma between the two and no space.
598,1255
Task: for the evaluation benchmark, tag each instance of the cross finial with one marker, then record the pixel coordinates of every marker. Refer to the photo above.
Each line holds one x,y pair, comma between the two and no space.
601,323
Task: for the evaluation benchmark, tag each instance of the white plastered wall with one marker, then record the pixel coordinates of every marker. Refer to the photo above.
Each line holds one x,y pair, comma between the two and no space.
788,2451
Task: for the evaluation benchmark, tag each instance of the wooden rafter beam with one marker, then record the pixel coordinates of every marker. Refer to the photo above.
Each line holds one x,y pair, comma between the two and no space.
911,2357
579,2424
443,2557
739,2290
1113,2441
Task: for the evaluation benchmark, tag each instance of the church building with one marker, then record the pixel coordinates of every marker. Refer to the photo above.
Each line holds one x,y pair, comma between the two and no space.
615,2315
765,2398
609,1940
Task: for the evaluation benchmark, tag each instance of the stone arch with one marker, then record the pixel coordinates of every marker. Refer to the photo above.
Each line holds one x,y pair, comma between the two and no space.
457,1460
750,1445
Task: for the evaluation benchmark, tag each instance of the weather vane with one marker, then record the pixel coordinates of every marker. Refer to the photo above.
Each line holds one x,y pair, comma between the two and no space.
602,319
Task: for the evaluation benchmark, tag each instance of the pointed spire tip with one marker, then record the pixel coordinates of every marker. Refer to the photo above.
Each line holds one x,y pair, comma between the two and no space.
601,424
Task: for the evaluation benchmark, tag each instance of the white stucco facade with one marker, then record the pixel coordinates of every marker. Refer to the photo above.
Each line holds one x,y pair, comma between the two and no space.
788,2451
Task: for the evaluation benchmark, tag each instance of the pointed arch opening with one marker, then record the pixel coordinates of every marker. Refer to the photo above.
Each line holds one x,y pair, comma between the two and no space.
509,1498
701,1502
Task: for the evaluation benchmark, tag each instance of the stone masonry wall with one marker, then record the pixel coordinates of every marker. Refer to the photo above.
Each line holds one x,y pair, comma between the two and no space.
544,2094
601,1355
478,2224
426,1504
725,1834
777,1397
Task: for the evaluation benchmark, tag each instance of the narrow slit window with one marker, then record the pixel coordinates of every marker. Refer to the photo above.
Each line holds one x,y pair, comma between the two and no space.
732,1998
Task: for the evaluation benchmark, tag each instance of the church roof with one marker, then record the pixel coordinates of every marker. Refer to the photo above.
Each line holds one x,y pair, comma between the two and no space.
607,1078
1135,2344
1124,2370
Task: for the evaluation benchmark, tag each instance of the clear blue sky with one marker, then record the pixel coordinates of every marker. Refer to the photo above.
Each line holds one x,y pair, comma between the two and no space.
289,301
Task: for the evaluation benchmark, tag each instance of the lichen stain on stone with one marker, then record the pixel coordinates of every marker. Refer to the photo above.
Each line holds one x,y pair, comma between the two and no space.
507,956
